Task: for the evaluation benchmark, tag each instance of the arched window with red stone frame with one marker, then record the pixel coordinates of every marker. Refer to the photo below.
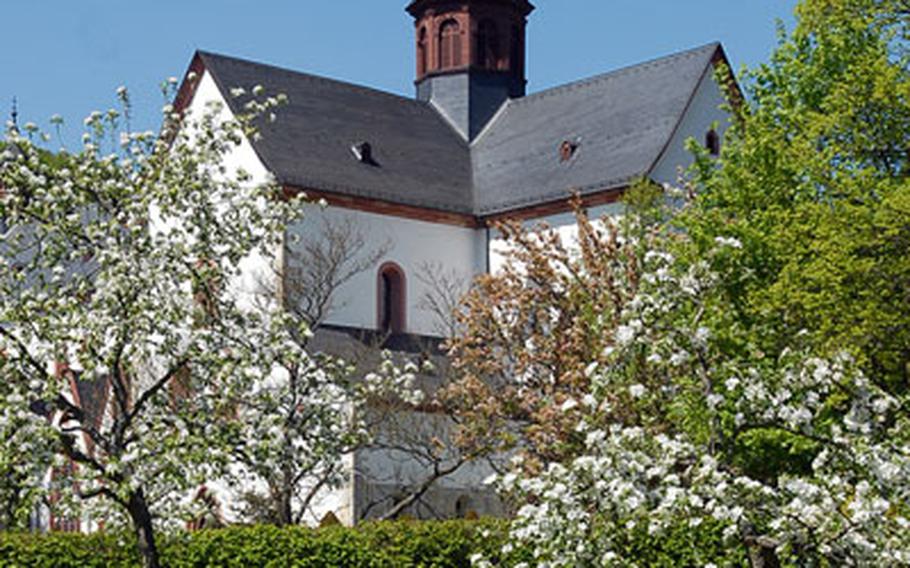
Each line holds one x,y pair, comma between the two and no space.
422,53
391,298
486,48
449,45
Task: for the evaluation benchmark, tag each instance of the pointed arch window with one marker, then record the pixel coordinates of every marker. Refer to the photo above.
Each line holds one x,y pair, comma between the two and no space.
712,142
516,51
449,44
486,49
391,292
422,53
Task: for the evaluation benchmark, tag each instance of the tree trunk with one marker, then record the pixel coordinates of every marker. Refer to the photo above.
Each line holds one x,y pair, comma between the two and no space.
285,509
145,533
282,501
761,556
762,550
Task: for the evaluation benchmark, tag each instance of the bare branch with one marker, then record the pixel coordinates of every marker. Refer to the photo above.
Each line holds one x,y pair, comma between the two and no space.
446,290
335,252
419,491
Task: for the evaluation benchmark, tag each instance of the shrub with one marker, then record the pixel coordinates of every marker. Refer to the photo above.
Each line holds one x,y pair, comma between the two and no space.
431,544
448,544
60,550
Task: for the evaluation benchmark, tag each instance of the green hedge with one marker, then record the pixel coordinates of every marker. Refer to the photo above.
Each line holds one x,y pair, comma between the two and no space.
445,544
379,545
65,550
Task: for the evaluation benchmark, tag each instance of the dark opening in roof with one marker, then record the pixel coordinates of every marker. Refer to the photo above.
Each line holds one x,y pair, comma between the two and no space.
567,150
363,151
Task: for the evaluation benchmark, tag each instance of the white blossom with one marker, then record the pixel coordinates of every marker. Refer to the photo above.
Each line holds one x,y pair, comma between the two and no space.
729,242
847,509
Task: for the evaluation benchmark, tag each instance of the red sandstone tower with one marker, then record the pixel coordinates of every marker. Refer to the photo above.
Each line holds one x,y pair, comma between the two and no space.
470,57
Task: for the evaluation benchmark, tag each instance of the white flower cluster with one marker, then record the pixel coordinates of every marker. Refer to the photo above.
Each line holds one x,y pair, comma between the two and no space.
850,507
127,275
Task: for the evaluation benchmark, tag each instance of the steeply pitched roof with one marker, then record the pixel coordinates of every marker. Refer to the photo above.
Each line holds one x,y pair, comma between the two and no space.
420,160
621,121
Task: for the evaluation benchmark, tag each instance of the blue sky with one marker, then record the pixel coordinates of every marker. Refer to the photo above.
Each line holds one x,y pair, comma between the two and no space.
68,57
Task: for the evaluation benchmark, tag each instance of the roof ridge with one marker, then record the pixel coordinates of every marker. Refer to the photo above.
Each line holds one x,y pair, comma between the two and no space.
682,113
312,77
616,73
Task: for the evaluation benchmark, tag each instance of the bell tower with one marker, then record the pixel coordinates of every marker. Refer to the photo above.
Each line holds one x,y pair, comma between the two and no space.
470,57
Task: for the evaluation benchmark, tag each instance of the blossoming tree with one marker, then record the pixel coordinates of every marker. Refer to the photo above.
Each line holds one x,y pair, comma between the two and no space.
673,396
126,266
752,376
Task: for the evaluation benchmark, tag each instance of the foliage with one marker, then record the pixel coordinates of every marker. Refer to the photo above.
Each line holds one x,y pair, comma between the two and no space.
814,181
67,550
392,544
23,456
744,362
290,433
137,273
121,273
670,398
374,545
531,331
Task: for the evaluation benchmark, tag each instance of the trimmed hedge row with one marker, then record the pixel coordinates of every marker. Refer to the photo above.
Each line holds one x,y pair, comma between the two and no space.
372,545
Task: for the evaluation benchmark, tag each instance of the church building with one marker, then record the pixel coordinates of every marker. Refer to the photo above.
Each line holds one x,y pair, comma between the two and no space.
424,179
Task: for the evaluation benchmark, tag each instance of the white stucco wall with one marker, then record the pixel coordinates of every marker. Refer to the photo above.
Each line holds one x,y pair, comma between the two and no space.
258,274
417,431
704,110
415,245
412,245
564,223
244,157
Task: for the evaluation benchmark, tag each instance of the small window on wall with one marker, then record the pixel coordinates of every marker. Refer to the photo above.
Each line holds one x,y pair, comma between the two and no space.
712,142
464,508
391,291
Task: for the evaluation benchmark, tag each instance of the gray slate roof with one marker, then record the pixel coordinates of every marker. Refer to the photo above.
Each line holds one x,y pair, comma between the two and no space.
622,121
420,159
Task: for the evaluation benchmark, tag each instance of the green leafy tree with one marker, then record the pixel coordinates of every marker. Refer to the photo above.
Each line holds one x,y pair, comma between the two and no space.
756,374
814,182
